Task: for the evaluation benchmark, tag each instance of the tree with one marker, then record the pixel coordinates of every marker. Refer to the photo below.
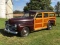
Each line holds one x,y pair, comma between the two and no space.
57,8
38,5
17,12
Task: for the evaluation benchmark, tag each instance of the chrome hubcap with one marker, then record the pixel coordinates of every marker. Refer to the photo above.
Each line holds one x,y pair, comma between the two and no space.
50,26
25,33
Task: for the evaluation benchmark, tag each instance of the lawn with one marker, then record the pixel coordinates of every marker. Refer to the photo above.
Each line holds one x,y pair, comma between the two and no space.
44,37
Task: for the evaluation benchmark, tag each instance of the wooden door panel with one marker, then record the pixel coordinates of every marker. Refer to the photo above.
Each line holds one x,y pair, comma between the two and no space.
38,20
45,22
45,25
38,23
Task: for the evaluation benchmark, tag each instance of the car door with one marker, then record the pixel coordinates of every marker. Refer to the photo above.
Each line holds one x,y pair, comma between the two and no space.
38,21
45,20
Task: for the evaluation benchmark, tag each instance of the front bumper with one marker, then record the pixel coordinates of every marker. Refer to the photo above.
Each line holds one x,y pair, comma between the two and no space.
12,32
10,29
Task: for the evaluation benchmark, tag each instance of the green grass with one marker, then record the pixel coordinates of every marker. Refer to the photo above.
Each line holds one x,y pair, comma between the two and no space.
2,23
44,37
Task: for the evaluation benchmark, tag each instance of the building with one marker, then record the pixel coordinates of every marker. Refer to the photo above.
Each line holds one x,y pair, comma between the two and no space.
6,9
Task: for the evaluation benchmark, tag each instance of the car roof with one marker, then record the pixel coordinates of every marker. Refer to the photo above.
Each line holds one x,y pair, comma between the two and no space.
41,11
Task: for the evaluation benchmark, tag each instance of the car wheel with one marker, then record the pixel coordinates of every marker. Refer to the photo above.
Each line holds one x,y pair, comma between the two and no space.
49,26
24,32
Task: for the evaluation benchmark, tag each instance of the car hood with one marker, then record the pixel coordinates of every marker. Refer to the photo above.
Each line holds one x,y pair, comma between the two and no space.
20,20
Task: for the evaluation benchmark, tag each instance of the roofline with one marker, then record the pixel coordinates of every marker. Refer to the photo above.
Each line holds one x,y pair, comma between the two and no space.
41,11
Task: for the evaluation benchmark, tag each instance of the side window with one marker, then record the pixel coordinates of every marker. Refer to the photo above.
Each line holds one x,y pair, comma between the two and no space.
51,15
45,14
39,15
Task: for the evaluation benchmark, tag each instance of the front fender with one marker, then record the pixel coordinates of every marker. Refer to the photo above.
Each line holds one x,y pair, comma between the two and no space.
20,27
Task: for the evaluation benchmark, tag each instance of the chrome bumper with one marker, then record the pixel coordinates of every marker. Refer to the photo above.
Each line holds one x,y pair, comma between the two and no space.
12,32
9,29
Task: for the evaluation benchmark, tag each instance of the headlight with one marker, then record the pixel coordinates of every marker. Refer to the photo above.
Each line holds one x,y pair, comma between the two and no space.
21,25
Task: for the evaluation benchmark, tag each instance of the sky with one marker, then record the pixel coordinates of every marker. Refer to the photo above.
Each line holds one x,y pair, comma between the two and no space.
19,4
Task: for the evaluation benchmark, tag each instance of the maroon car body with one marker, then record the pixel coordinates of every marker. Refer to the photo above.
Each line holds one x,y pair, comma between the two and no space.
22,22
15,25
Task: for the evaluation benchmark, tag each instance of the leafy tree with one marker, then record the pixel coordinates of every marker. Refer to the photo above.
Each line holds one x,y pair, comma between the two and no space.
57,8
38,5
17,12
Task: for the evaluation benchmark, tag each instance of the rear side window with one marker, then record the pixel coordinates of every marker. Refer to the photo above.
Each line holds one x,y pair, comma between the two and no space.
39,15
51,15
45,14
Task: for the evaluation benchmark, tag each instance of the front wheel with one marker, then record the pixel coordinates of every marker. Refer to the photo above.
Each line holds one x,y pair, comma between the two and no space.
24,32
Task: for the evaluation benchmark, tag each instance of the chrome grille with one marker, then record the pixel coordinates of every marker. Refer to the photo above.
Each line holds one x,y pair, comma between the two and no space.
10,27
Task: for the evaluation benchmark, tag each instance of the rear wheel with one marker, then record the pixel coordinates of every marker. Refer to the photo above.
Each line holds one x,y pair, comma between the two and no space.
24,32
49,26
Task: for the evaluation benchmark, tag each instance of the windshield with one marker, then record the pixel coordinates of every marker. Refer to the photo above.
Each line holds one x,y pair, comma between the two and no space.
29,15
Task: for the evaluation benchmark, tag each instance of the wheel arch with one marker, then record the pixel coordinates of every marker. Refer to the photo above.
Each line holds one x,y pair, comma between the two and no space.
52,22
30,28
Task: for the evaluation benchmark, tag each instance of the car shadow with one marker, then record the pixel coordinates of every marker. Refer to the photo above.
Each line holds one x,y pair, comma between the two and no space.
11,35
6,34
